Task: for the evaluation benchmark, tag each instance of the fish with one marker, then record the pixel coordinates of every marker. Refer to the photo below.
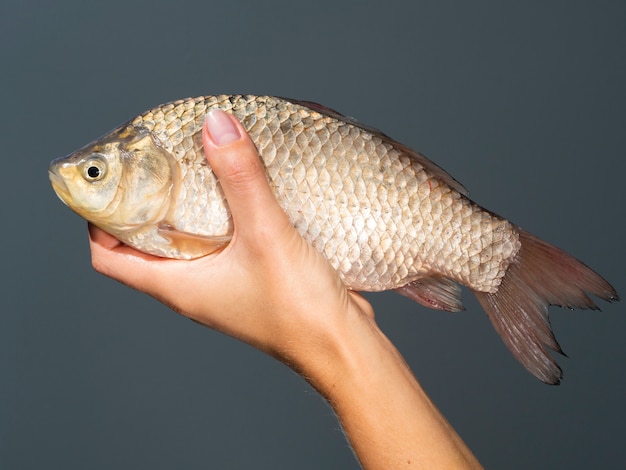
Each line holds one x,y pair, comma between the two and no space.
385,216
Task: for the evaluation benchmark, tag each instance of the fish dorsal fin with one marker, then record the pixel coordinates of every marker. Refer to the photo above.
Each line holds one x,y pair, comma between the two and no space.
192,245
326,111
434,292
431,167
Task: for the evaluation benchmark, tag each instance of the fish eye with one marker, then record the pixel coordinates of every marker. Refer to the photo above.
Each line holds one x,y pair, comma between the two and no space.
94,168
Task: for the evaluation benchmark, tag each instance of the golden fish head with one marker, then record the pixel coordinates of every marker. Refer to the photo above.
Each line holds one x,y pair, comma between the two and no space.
119,182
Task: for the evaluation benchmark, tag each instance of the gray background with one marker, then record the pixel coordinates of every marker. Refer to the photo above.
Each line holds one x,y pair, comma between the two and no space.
523,102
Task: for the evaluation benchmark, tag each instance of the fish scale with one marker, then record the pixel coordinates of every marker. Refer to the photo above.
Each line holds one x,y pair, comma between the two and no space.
300,148
383,215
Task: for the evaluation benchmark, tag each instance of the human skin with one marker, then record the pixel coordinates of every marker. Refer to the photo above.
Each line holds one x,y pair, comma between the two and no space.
269,288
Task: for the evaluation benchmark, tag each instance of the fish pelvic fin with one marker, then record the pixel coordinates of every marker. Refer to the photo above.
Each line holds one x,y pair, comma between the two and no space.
434,292
540,275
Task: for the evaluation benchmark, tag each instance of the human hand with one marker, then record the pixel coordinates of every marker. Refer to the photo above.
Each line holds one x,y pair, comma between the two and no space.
268,287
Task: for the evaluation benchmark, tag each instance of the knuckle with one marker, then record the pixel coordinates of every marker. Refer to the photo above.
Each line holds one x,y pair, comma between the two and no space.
242,174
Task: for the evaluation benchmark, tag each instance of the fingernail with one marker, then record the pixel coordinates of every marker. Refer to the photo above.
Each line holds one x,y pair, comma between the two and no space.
222,129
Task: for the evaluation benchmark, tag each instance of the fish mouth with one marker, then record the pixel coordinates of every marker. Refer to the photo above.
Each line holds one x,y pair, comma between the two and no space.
58,184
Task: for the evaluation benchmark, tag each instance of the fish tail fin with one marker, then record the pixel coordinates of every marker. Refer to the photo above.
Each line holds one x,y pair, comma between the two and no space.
540,275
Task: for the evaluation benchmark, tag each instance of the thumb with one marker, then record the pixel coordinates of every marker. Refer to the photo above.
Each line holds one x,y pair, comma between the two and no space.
235,161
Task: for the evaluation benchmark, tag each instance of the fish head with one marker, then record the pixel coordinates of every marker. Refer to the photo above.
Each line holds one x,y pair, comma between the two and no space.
120,182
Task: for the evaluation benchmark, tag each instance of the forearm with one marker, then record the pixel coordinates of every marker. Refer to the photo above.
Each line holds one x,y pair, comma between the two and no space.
271,289
386,415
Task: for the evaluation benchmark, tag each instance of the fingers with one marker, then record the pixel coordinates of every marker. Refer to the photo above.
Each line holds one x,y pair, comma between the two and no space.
112,258
259,220
101,238
235,161
102,242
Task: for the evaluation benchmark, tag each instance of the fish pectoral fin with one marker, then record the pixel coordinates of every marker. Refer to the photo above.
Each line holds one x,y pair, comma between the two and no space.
434,292
193,245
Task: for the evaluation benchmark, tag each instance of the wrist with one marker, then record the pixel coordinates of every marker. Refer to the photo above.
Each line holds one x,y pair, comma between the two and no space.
343,357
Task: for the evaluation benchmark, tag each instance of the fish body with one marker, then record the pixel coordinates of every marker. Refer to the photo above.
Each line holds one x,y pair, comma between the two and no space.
384,215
